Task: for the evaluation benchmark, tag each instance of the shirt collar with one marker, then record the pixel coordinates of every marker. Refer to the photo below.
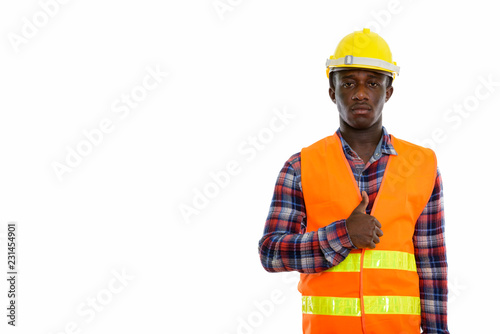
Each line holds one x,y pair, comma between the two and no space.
384,145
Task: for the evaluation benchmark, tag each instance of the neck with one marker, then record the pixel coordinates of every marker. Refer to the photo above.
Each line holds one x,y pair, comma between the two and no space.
361,138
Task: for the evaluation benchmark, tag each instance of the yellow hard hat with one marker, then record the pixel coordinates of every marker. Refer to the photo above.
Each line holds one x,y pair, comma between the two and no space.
363,49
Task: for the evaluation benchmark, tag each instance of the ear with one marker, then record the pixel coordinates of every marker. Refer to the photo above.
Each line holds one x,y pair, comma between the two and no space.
331,92
388,93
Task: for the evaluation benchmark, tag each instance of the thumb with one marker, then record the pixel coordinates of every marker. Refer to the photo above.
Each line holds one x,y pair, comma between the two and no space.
363,204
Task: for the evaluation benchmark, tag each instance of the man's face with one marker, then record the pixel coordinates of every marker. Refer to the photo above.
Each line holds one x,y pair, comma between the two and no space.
360,96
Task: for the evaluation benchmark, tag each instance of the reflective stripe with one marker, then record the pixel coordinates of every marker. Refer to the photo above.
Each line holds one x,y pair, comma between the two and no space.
377,260
331,306
351,60
350,263
352,306
389,260
392,305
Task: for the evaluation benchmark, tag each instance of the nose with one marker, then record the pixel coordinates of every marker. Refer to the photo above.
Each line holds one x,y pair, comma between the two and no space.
360,93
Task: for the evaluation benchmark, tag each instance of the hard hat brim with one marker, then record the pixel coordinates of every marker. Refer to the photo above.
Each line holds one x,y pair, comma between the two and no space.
362,67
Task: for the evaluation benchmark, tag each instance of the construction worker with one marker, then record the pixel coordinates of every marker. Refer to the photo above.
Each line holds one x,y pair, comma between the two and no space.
360,213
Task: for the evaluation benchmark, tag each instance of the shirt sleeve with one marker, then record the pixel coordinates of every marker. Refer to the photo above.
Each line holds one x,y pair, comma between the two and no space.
430,256
285,246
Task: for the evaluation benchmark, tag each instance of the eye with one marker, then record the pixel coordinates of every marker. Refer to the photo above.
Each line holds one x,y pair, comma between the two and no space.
373,84
347,84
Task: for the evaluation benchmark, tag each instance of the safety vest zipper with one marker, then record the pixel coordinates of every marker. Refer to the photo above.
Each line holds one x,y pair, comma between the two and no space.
361,276
361,291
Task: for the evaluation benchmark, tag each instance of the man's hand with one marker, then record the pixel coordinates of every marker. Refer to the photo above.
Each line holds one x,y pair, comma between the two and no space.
364,230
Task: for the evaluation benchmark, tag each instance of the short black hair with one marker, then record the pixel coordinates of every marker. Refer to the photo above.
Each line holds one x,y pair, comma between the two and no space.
333,76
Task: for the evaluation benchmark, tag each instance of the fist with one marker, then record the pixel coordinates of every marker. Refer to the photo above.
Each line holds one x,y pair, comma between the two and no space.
364,230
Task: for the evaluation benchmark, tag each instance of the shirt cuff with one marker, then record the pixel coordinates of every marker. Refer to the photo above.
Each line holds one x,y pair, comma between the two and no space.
336,234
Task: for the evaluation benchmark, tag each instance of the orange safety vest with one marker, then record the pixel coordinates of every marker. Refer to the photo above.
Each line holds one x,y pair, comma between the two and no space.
371,291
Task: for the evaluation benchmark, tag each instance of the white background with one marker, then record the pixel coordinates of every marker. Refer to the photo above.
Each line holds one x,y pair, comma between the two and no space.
228,71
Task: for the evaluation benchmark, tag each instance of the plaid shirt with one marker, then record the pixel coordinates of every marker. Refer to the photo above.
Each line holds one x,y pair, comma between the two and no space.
285,246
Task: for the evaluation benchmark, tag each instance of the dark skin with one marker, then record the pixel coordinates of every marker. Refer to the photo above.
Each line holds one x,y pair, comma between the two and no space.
360,96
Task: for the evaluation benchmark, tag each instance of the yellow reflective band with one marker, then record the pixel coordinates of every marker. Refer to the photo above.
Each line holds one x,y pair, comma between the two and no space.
389,260
352,306
331,306
350,263
377,260
392,305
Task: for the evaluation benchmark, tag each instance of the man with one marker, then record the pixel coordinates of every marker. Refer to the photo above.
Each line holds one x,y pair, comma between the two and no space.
360,213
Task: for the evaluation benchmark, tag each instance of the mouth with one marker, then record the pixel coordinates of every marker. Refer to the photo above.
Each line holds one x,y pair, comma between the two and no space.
361,109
